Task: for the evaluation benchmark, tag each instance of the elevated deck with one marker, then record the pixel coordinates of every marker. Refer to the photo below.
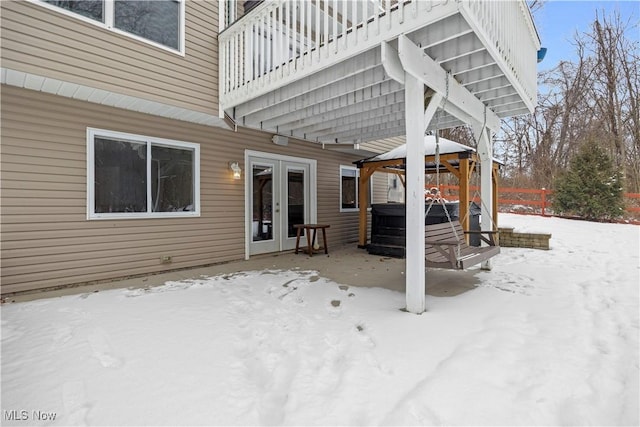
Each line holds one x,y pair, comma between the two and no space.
314,69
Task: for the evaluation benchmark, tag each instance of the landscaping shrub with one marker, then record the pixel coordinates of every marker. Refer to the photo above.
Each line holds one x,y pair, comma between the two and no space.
591,188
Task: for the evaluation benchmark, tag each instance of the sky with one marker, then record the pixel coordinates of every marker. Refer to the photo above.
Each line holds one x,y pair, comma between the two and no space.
558,21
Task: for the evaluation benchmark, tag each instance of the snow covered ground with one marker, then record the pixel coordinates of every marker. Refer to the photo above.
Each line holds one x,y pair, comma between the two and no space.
548,338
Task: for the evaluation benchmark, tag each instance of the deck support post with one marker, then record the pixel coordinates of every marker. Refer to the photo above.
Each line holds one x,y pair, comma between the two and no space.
415,250
417,120
419,71
485,152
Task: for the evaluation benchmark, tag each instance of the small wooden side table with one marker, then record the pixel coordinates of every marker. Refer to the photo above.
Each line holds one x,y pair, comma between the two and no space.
311,242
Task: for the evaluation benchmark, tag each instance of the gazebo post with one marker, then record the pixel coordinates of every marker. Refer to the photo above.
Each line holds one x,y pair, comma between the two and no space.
363,202
463,192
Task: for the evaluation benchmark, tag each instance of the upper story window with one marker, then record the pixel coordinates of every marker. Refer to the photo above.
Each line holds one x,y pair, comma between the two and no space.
134,176
160,22
250,4
231,9
92,9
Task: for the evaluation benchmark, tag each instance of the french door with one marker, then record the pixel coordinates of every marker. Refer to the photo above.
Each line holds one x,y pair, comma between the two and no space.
280,191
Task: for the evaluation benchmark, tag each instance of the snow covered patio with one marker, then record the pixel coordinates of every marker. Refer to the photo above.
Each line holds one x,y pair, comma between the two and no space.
345,265
545,338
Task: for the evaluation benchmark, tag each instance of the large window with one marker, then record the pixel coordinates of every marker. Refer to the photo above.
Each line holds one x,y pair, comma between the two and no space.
348,188
132,176
92,9
160,22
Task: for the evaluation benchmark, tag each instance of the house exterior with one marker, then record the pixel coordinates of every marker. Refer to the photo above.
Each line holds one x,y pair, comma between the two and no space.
73,86
124,123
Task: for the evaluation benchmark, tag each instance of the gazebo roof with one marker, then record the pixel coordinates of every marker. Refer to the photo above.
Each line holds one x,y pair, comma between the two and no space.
446,147
451,150
454,158
394,159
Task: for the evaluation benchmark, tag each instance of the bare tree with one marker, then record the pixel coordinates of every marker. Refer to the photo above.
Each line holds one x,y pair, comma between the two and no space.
535,5
595,97
615,92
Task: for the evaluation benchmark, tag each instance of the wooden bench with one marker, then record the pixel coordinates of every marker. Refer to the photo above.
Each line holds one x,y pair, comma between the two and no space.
311,242
446,248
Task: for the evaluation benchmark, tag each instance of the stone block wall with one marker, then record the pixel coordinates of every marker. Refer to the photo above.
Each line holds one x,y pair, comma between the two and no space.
511,239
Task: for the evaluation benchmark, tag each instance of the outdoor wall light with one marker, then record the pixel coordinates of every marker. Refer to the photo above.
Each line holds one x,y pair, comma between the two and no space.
235,168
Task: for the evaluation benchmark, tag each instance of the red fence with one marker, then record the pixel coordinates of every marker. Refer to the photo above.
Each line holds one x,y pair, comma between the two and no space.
528,199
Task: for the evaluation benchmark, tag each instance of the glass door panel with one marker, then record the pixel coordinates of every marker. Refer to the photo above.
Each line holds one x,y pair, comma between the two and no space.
265,205
295,200
280,197
262,209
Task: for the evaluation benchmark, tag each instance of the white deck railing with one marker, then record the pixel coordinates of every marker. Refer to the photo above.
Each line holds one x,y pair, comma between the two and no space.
280,41
507,29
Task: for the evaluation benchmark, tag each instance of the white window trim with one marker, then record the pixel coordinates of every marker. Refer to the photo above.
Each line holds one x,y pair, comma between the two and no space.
108,24
357,208
92,215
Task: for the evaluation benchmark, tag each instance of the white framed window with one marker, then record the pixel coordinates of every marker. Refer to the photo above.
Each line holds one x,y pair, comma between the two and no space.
158,22
230,12
349,176
136,176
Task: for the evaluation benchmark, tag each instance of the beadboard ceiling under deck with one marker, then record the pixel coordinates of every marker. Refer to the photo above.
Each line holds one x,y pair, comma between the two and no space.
353,100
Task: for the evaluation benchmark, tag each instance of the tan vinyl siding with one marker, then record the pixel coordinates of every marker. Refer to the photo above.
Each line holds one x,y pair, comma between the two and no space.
47,240
380,187
44,42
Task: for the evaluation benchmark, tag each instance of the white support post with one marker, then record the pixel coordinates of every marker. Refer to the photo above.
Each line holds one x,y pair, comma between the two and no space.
415,261
417,119
485,152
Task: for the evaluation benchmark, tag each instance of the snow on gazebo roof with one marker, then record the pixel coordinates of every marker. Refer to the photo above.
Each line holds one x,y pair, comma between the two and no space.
446,147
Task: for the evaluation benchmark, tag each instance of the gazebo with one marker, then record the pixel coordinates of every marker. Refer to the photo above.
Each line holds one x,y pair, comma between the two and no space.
454,158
